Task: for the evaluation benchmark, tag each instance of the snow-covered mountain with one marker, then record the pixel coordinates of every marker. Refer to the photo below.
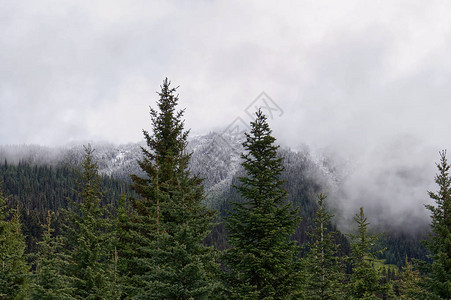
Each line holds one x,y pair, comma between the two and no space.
215,157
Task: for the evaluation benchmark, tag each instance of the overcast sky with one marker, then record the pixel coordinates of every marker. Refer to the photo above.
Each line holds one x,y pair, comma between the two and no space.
366,80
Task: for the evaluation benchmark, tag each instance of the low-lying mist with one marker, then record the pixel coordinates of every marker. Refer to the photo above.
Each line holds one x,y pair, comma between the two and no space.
390,180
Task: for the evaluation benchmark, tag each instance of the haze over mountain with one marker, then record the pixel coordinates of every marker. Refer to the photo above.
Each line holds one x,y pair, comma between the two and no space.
393,198
364,83
356,93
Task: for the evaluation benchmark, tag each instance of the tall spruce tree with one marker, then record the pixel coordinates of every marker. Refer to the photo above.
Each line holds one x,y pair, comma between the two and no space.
123,246
88,237
365,280
262,259
49,282
13,265
438,281
324,269
164,257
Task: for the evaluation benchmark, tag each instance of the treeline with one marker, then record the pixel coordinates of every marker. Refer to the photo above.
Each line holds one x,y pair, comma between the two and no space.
42,187
152,244
34,190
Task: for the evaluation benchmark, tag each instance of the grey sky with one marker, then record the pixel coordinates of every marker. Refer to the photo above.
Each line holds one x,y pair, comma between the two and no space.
366,80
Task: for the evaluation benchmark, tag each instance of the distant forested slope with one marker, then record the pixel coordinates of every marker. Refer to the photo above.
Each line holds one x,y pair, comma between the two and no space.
36,179
35,189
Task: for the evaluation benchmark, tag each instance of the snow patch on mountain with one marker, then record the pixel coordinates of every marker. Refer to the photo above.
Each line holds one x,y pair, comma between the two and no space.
216,157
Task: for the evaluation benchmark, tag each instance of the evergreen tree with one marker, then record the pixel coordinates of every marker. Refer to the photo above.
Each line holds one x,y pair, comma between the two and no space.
123,245
13,265
365,280
410,283
325,273
438,281
262,260
89,238
164,257
49,282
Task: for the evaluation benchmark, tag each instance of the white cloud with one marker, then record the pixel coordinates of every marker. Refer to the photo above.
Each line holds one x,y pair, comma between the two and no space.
351,76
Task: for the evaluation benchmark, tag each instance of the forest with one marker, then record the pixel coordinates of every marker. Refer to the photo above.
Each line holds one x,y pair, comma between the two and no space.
72,233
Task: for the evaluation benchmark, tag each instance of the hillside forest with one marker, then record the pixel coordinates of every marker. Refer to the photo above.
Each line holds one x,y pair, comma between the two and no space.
68,231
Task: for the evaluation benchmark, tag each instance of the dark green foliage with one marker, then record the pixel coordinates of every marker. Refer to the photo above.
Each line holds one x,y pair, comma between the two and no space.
38,189
155,247
262,260
123,244
410,283
398,245
88,238
365,280
161,242
438,281
49,282
325,271
13,266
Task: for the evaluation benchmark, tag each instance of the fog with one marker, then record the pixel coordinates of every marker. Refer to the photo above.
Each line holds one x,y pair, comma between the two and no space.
366,82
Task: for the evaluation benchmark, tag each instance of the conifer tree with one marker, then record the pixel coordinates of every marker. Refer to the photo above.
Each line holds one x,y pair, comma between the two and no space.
438,282
49,282
365,280
164,257
122,246
89,238
325,273
410,283
13,265
262,259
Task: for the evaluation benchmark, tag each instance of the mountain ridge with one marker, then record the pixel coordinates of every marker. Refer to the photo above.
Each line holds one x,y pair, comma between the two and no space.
216,159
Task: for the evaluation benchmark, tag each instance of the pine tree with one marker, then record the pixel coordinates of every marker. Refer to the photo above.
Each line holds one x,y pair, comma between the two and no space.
438,281
365,280
262,260
13,266
122,245
164,257
325,273
410,283
89,238
49,282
